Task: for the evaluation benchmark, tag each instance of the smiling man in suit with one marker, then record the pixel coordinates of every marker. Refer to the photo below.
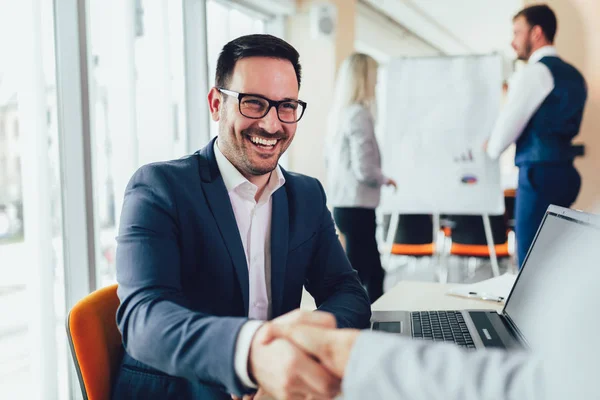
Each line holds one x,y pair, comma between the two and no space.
213,244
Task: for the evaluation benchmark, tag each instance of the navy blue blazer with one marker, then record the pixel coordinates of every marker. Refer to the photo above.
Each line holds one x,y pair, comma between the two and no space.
183,277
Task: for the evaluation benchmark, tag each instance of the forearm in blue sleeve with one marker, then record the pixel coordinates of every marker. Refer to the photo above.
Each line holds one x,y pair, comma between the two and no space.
157,324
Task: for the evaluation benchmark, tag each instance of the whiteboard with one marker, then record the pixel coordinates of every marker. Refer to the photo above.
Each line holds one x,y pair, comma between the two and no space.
437,113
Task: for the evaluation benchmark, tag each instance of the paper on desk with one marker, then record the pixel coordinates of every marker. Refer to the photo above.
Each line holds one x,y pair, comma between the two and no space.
494,287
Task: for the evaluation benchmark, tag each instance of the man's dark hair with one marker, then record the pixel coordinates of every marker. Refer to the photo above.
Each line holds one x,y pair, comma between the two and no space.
542,16
254,46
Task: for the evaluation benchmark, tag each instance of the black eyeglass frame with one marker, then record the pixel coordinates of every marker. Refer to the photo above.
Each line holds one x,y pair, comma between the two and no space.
272,103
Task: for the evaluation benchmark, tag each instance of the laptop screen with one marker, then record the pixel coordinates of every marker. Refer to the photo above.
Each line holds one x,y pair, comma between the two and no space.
564,242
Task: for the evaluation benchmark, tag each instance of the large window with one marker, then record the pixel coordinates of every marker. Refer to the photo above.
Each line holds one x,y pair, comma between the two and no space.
33,354
132,99
137,98
224,24
137,88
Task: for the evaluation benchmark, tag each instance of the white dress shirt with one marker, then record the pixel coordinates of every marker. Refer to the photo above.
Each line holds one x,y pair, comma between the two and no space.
254,224
526,92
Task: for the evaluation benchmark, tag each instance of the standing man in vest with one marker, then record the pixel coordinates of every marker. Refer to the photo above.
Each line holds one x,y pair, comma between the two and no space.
542,114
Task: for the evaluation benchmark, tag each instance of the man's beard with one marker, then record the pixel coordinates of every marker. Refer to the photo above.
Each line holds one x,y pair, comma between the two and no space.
261,133
527,54
527,50
239,153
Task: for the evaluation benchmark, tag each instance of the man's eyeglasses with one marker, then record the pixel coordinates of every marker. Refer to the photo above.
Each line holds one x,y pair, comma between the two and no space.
256,107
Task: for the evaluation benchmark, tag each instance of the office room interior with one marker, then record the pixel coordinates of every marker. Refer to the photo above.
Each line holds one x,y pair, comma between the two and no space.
91,90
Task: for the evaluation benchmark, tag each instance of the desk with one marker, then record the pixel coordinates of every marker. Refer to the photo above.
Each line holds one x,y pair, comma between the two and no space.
418,296
422,296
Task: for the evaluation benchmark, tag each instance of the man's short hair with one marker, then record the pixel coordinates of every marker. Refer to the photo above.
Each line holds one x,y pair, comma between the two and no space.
542,16
254,46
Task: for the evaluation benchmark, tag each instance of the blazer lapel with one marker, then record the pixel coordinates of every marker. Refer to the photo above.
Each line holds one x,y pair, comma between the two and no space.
280,226
220,206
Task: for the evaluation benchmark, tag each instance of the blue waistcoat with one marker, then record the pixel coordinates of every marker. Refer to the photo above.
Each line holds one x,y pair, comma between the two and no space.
547,137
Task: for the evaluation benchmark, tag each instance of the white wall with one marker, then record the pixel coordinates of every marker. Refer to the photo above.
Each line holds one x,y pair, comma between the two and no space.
320,58
383,38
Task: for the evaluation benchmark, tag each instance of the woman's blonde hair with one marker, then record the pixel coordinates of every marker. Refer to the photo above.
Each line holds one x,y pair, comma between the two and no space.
355,84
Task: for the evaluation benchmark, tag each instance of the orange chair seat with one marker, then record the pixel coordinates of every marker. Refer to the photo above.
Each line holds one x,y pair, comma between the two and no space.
478,250
426,249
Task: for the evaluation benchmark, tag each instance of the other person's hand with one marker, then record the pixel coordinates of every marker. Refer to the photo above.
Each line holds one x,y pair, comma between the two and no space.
284,371
331,347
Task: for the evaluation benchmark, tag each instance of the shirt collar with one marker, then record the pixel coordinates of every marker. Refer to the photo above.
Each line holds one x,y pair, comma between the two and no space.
541,53
234,179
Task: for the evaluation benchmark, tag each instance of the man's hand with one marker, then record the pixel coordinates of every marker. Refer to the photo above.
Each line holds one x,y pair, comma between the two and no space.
284,371
331,347
391,182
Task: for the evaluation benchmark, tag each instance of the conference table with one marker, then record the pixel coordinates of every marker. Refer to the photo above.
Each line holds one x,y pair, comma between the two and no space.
419,296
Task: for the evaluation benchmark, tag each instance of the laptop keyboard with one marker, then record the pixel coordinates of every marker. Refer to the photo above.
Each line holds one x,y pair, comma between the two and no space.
441,326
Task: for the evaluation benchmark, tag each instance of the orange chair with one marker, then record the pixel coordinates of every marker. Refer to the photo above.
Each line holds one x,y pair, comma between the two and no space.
469,238
95,342
415,250
478,250
413,236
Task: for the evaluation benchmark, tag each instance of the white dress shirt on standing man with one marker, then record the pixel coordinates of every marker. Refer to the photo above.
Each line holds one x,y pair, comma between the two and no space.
527,91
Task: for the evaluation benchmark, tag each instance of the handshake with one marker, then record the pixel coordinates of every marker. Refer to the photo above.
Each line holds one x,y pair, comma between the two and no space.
300,355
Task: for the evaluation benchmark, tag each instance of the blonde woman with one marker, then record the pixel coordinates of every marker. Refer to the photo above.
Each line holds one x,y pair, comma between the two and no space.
353,164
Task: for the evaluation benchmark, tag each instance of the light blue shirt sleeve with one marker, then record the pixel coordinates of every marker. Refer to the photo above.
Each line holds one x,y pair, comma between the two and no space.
384,366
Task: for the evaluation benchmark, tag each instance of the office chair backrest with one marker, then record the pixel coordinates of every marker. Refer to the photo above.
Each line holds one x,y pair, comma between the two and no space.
469,229
413,236
412,229
95,342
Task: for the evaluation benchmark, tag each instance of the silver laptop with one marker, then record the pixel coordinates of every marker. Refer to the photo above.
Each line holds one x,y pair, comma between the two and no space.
521,322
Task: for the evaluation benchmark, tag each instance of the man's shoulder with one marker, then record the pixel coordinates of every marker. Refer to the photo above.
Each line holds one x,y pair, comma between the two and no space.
171,169
305,197
299,179
533,72
552,62
302,185
534,68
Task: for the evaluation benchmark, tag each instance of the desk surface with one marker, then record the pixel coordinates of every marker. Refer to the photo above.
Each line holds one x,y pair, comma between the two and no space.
419,296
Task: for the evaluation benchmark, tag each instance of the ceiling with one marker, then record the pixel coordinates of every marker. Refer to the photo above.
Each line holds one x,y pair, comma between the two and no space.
456,26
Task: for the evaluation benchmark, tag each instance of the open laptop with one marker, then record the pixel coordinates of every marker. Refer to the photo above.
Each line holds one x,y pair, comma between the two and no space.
562,242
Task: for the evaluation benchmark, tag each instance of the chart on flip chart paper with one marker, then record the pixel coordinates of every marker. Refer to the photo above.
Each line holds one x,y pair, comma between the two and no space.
438,112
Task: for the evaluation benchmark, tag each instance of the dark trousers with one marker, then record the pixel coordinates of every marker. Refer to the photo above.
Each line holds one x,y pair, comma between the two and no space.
539,186
358,227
